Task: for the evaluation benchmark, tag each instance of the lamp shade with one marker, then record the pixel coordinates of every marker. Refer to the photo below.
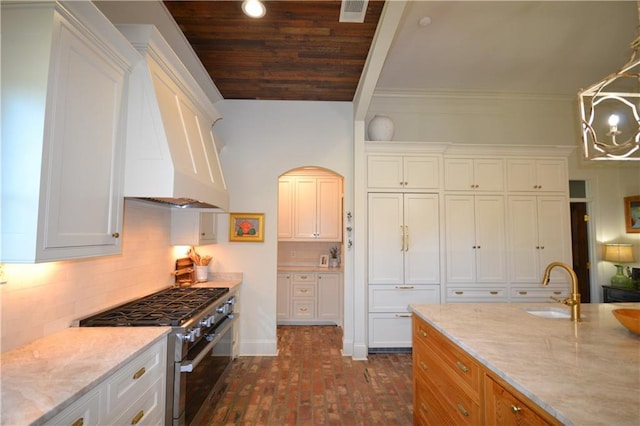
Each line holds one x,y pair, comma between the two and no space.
618,253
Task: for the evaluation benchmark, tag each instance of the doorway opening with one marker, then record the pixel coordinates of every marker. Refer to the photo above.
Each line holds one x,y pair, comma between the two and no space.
580,241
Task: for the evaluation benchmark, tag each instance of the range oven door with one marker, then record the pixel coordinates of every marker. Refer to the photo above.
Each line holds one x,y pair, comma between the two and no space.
200,375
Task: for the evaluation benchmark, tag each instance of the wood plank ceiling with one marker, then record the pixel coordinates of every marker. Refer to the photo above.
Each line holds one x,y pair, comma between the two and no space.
298,51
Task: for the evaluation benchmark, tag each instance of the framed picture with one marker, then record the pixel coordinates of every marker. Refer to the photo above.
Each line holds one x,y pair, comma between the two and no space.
324,261
246,227
632,214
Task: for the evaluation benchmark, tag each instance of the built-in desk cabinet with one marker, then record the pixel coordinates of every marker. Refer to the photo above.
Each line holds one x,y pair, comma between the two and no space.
135,394
64,73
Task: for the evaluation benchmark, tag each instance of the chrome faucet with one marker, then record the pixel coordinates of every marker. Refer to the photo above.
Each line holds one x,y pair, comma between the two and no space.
574,300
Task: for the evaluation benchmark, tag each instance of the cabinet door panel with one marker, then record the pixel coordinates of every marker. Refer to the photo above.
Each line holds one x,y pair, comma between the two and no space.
386,262
329,204
384,172
422,242
283,304
389,330
82,174
460,235
421,173
458,174
523,239
305,208
554,235
552,175
489,174
521,175
491,262
329,297
285,207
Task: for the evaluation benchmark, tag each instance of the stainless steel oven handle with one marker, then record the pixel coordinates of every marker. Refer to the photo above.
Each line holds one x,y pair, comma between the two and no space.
226,325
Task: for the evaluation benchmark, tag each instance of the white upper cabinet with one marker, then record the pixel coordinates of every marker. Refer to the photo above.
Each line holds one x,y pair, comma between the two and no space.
64,75
538,175
403,172
467,174
310,208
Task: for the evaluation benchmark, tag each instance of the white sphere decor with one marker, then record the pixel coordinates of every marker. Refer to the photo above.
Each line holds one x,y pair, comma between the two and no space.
380,128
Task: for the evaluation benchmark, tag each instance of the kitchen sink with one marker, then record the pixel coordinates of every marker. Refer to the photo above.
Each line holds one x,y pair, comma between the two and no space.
549,312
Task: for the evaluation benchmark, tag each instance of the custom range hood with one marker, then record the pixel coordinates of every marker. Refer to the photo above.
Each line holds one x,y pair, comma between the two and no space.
171,156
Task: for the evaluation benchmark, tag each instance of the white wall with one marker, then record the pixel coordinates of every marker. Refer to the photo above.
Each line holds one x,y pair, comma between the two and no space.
41,299
264,139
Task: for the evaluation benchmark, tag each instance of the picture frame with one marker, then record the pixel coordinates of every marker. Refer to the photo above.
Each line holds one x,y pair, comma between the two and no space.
246,227
324,261
632,214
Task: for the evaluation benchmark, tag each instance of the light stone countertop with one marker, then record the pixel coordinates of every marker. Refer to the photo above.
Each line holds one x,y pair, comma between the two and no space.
228,280
43,377
584,373
308,269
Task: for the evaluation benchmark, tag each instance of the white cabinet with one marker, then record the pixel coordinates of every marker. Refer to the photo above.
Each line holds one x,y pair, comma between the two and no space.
539,233
475,239
467,174
329,297
538,175
310,208
64,72
309,298
135,394
404,242
403,172
193,227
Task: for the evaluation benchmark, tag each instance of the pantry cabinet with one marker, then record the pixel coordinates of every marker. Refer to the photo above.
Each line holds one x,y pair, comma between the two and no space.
468,174
539,233
537,175
193,228
64,74
309,298
397,172
310,208
475,239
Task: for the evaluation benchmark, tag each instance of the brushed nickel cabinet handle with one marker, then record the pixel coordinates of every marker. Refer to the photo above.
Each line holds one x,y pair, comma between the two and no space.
139,373
462,367
462,410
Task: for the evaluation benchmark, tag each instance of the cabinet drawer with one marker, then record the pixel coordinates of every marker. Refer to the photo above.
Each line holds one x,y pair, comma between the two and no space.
396,298
147,410
303,309
136,377
456,363
303,290
466,294
456,401
84,411
428,408
387,330
504,408
526,294
304,278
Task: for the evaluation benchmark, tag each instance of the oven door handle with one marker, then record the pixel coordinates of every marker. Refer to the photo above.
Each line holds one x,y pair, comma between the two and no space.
220,331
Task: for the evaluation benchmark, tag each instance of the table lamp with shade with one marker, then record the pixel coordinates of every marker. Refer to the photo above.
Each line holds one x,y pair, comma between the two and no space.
618,254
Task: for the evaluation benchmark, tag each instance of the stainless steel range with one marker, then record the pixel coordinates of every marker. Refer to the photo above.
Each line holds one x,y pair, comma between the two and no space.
199,346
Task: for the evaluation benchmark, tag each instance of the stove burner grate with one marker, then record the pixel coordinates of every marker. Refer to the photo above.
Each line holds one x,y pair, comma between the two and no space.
169,307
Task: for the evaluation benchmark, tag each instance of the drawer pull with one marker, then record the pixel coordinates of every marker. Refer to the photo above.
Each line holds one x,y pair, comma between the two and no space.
515,409
303,290
423,332
139,373
78,422
557,292
423,365
405,287
462,367
137,418
462,410
403,315
303,277
493,292
304,309
459,292
423,407
522,292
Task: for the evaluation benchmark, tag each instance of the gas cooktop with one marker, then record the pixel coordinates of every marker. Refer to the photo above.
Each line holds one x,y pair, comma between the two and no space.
169,307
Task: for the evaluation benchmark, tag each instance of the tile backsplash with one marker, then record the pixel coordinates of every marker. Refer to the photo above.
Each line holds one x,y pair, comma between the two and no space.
40,299
302,253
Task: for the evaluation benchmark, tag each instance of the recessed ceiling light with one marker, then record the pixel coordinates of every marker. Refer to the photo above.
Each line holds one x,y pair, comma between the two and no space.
253,8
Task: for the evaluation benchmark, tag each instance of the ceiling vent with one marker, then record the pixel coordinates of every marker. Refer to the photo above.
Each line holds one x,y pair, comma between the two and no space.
353,10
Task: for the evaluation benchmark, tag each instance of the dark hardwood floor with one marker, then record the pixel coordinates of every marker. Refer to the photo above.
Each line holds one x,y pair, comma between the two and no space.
311,383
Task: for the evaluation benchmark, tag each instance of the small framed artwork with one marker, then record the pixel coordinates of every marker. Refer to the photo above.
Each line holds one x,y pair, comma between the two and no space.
324,261
246,227
632,214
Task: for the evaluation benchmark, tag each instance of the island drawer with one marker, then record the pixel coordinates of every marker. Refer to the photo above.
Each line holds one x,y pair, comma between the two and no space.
428,408
461,404
459,365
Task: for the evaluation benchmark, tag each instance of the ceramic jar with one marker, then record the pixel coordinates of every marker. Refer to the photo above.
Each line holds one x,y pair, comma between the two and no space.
380,128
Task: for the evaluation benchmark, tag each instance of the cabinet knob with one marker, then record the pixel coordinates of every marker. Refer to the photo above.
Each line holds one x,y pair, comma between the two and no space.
515,409
423,365
115,235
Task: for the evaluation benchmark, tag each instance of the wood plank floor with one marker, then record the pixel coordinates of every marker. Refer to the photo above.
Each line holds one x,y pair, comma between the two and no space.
311,383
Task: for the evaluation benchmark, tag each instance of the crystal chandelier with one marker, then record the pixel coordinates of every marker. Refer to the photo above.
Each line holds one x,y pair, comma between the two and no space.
609,113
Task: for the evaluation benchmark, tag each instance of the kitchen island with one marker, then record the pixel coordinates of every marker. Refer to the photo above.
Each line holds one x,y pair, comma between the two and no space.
585,373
